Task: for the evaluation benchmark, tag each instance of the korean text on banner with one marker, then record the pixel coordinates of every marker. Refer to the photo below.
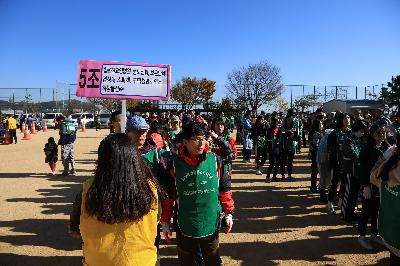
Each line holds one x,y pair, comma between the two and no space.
121,80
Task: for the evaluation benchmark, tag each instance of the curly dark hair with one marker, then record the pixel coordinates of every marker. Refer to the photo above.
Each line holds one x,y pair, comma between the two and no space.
120,191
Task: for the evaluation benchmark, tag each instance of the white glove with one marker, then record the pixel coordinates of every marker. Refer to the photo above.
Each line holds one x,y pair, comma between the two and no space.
366,192
167,230
213,134
229,222
389,152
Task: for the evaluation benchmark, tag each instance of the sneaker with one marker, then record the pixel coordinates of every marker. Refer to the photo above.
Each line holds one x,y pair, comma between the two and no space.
364,242
72,172
267,179
65,174
377,239
258,172
330,207
350,221
322,197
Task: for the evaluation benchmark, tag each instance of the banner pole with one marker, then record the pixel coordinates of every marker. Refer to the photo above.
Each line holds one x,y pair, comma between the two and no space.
123,120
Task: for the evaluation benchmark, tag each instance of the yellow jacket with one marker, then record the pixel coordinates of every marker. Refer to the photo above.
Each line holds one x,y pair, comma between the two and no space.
120,244
12,123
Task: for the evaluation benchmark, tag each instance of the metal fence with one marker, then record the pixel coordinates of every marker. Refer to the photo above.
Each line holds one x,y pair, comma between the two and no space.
327,93
60,97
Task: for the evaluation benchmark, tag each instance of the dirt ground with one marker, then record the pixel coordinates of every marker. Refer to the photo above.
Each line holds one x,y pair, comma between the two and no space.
274,224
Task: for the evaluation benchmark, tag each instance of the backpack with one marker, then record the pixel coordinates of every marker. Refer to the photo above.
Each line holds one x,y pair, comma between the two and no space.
322,152
70,127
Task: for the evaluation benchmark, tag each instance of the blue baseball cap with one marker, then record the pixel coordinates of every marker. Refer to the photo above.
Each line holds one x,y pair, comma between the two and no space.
136,123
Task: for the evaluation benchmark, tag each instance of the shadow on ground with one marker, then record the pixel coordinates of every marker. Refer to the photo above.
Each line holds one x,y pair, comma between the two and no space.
263,208
23,260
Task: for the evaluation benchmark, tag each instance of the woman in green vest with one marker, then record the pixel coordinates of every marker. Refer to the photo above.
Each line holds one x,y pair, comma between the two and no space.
223,144
351,148
386,176
274,136
369,155
201,195
288,146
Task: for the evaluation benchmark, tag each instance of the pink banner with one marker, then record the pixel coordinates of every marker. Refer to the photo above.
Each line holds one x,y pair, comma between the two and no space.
123,80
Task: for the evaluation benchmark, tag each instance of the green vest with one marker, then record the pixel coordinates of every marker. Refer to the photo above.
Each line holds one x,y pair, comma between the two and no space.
152,158
197,188
389,214
340,139
299,125
357,144
70,127
227,165
288,143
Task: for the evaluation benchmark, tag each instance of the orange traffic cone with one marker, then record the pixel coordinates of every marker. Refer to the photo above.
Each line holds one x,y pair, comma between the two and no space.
23,127
44,127
33,129
6,138
26,133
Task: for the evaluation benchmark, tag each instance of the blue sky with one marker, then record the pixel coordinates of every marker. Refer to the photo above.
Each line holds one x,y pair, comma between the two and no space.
313,42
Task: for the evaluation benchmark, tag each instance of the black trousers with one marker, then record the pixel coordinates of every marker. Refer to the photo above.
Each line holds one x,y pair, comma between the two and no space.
274,159
314,169
298,148
189,246
13,135
352,187
247,154
370,208
261,156
287,160
336,177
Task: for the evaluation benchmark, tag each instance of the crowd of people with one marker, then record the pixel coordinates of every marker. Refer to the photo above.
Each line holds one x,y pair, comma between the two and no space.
172,172
10,123
161,175
361,155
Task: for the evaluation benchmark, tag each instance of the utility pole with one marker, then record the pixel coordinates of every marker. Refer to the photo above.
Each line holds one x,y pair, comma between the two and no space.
291,97
356,92
69,98
40,100
14,100
314,100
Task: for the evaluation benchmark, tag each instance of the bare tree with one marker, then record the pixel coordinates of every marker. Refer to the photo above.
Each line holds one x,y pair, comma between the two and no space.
307,101
280,104
254,85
